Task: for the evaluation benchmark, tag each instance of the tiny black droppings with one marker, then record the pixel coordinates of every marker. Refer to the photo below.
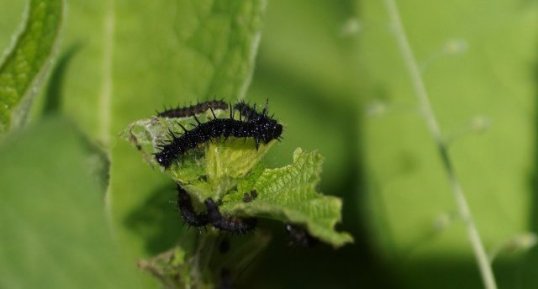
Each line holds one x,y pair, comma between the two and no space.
250,196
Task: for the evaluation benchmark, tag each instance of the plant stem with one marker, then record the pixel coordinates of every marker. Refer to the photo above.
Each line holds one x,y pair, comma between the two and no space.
433,126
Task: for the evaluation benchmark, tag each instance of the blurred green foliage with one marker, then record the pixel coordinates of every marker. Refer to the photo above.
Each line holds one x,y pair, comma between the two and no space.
334,77
54,231
478,61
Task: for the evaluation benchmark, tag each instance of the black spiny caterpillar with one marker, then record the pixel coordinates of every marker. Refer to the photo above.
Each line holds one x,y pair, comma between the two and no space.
255,125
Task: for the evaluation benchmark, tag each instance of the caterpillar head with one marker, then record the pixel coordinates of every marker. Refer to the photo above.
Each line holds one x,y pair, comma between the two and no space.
164,158
268,129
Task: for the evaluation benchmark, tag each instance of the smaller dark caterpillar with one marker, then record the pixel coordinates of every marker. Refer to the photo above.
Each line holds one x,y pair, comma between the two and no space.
193,109
213,215
262,128
299,236
230,224
248,112
187,211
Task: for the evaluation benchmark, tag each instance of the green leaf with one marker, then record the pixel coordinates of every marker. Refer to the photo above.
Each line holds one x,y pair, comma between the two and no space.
24,64
230,168
134,57
54,230
186,51
137,56
288,194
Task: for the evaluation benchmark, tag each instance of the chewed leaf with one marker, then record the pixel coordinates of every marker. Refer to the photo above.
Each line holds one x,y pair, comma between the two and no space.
229,161
26,60
289,194
229,170
210,170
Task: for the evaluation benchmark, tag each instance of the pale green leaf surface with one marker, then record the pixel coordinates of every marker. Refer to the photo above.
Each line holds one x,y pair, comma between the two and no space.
136,57
27,57
288,194
54,230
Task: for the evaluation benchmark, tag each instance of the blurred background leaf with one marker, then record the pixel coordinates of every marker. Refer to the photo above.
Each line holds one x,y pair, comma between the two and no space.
477,61
132,58
54,229
27,56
